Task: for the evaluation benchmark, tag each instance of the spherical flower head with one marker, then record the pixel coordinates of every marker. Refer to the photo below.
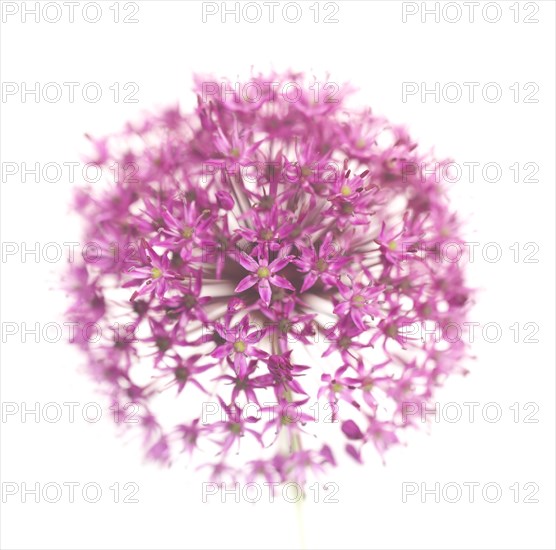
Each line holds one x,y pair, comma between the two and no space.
271,248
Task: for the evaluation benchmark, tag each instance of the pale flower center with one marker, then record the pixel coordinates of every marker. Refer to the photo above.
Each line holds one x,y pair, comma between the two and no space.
240,346
358,300
345,190
322,265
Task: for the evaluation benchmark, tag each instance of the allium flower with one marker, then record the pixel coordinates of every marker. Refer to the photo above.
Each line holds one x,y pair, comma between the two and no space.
263,275
267,257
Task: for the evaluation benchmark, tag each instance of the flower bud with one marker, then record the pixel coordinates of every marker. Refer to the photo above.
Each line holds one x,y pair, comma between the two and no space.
224,200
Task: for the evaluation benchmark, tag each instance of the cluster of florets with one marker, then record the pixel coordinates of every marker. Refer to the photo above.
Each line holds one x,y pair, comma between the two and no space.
259,258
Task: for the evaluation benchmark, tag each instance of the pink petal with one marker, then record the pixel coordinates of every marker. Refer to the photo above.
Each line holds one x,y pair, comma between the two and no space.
254,336
276,280
222,351
358,319
342,308
354,453
344,290
279,264
309,281
264,291
351,430
246,283
240,364
247,262
222,332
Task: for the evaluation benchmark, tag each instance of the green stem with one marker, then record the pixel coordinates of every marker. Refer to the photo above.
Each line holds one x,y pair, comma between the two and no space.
295,446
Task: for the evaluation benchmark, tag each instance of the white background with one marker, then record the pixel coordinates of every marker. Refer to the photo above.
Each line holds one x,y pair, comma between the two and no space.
373,49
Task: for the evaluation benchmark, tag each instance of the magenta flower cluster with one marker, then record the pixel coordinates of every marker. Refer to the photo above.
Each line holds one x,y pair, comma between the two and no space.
263,275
